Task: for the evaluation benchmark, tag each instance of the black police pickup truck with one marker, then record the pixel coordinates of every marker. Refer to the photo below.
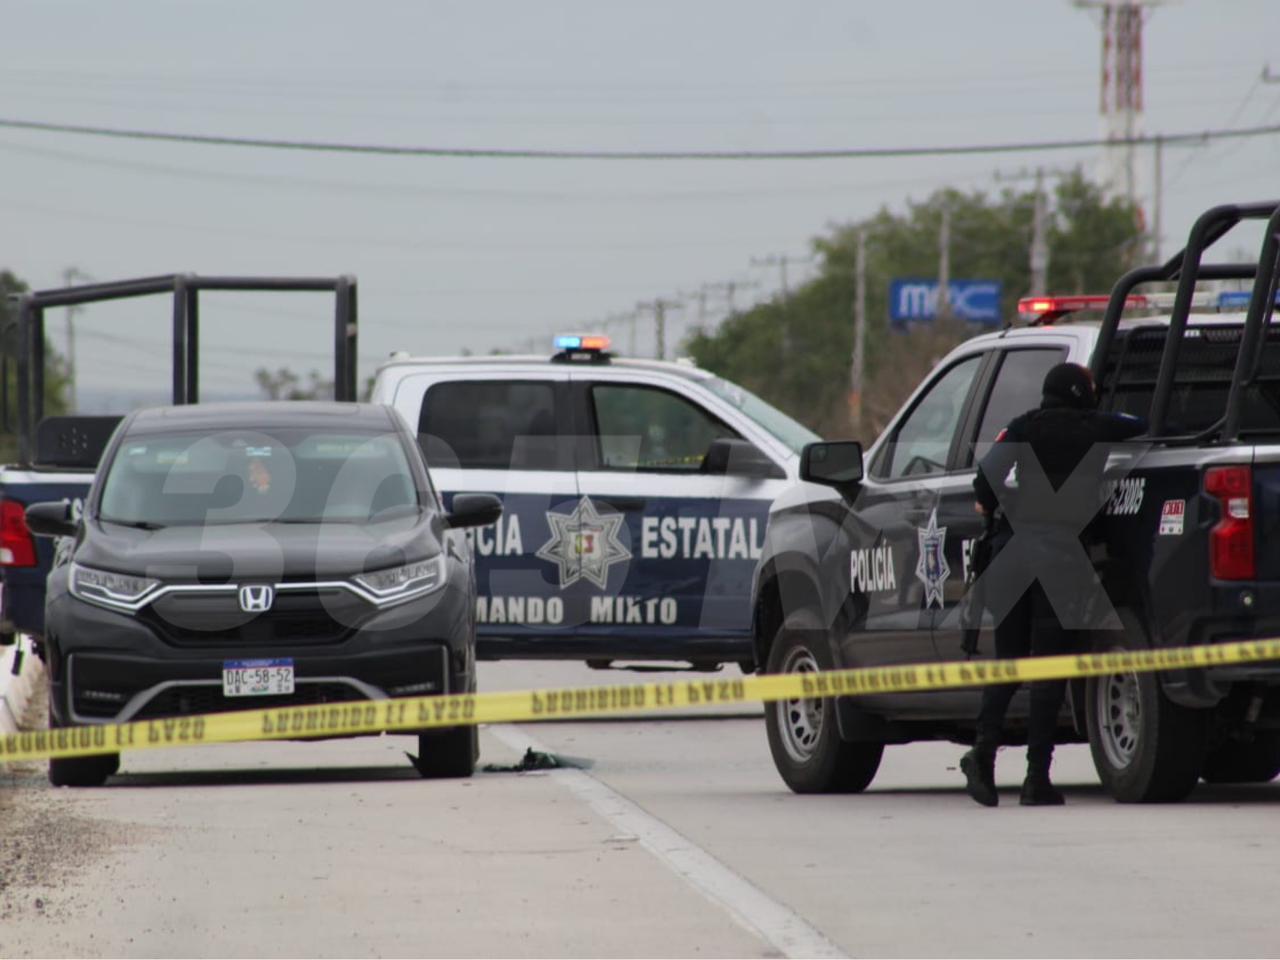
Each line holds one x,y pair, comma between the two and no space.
866,559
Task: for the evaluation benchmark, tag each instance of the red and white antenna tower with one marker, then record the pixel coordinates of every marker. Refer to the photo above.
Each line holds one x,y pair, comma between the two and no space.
1120,93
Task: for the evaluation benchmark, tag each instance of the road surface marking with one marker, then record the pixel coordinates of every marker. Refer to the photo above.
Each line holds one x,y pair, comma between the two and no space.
775,923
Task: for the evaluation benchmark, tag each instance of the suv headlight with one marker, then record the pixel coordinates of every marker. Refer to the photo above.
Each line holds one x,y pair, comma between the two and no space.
397,584
118,591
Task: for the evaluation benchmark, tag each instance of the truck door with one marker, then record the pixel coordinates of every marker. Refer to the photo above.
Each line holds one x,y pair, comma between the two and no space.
1010,386
678,560
904,499
505,434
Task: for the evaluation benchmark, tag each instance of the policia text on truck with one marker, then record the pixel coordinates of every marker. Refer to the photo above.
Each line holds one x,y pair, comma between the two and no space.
865,563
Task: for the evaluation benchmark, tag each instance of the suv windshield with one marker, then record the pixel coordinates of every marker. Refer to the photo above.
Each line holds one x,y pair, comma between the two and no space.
781,426
288,475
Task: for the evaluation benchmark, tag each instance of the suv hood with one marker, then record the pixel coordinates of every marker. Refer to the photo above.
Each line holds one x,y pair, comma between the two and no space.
259,551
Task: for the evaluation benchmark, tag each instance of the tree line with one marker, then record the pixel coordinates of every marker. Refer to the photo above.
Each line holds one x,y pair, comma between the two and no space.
795,352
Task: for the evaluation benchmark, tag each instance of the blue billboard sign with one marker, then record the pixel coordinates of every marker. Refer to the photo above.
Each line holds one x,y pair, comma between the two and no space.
977,301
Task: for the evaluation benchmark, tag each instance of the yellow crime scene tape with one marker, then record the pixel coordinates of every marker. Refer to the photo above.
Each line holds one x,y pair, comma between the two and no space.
412,714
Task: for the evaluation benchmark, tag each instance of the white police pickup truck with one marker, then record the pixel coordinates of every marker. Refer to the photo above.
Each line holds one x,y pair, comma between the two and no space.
635,495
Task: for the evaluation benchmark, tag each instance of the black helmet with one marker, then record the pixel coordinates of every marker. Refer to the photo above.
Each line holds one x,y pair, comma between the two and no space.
1069,385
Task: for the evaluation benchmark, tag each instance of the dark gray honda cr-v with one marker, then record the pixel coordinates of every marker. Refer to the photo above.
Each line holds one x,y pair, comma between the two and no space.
233,556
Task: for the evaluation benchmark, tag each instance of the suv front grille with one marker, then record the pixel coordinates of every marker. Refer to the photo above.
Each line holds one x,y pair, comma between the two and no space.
296,618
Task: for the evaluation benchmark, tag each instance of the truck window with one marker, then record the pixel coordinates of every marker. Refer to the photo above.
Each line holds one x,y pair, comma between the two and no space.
923,438
782,427
1016,390
490,425
1202,382
644,428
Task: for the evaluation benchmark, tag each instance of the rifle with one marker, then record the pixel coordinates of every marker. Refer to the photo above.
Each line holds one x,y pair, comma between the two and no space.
983,552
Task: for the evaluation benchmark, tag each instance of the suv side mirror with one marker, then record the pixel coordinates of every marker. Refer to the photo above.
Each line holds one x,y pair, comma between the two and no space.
740,458
51,519
836,464
473,510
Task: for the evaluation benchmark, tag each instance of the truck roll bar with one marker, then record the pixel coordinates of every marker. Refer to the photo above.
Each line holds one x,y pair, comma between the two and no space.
1261,305
1187,269
185,289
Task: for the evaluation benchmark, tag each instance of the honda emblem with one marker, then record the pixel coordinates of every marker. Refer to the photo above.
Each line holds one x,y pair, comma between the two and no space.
256,599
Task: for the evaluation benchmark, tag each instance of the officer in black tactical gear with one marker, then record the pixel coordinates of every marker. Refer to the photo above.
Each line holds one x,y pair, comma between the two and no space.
1061,435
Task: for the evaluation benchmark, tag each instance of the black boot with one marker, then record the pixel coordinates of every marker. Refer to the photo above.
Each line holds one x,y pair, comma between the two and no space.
1037,790
979,768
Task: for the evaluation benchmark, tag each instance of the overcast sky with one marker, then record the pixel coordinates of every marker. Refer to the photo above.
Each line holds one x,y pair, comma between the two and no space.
463,253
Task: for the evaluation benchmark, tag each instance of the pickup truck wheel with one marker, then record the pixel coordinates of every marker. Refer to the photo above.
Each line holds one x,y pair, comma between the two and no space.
1257,761
803,736
82,771
1146,748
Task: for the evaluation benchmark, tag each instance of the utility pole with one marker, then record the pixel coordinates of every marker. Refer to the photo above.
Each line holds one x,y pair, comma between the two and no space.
944,264
1040,238
1038,253
1157,214
69,276
859,333
659,307
780,260
729,288
699,296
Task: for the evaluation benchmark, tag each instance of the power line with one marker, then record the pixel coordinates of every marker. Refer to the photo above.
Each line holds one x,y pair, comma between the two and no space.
851,153
398,191
1239,111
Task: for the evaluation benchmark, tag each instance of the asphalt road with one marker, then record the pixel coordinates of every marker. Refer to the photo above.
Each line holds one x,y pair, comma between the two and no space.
675,838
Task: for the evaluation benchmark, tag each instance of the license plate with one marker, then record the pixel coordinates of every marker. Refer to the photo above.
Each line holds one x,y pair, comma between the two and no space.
257,678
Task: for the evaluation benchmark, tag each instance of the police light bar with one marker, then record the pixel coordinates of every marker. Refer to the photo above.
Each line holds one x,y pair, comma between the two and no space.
1238,299
1202,300
1045,309
573,341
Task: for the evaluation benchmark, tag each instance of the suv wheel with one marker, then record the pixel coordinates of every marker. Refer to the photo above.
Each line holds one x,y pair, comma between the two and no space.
1257,761
1146,748
451,751
81,771
448,753
803,737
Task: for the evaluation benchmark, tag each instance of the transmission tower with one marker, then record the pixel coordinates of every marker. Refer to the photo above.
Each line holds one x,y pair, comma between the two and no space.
1120,91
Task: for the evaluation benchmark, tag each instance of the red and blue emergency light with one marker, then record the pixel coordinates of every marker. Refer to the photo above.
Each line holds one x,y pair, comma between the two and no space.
576,341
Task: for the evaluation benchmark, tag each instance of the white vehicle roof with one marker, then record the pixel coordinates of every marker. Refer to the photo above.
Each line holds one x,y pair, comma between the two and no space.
525,362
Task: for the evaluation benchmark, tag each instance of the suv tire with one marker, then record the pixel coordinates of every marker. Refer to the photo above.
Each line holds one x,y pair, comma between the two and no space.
448,753
81,771
803,734
1146,748
1257,761
451,752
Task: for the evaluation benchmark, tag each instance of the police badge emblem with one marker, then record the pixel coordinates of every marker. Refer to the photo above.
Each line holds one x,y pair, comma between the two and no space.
932,569
584,544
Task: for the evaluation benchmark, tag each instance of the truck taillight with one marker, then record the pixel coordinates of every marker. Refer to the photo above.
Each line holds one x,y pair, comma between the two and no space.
1231,553
17,549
